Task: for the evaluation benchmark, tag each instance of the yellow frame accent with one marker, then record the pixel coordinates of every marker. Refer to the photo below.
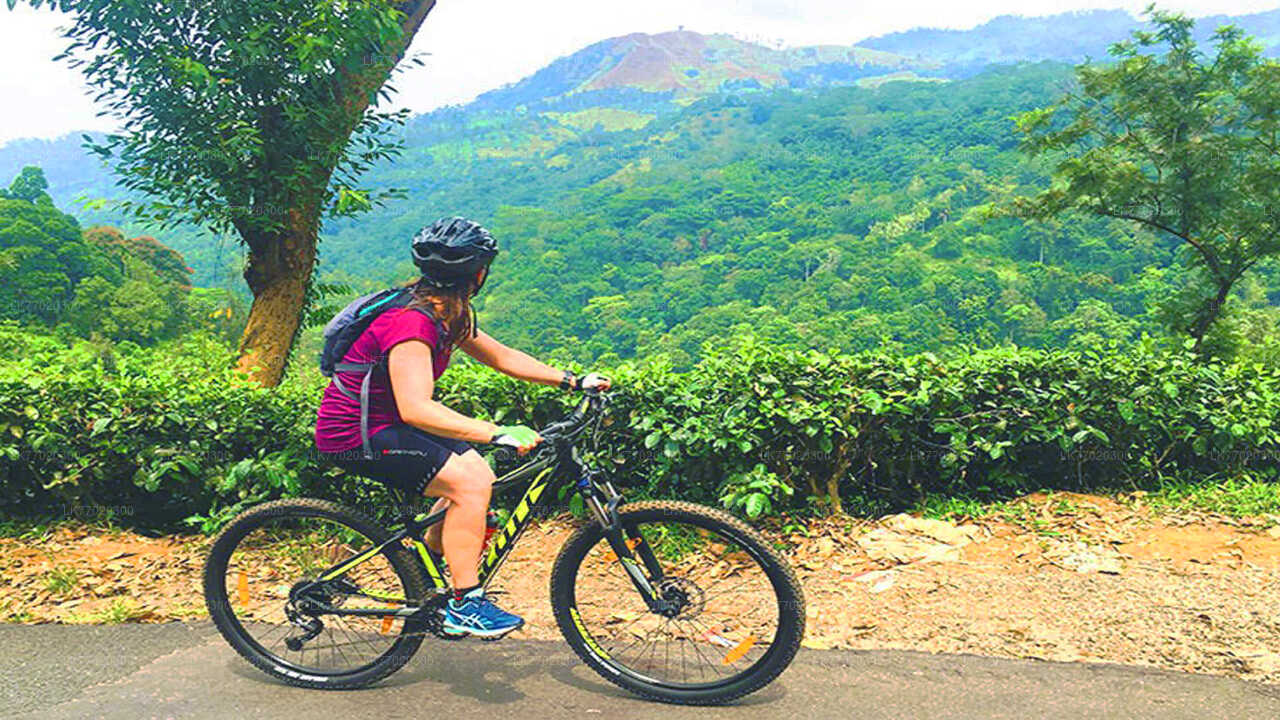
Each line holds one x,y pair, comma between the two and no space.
510,530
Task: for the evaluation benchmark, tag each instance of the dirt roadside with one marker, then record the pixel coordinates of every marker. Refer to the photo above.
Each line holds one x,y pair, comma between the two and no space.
1061,577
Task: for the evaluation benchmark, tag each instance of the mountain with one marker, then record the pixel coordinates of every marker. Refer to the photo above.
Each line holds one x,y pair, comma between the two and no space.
644,72
1067,37
802,151
841,218
641,69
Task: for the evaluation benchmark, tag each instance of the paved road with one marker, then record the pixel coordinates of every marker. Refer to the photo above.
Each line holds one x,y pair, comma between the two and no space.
184,671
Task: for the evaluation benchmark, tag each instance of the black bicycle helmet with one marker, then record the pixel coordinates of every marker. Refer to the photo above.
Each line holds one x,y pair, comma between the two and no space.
451,251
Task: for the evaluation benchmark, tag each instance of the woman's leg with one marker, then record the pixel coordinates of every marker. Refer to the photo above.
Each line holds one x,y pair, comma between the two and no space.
465,482
432,538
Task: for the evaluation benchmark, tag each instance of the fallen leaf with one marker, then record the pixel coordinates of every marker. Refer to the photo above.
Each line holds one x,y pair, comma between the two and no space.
816,643
940,530
825,547
1259,660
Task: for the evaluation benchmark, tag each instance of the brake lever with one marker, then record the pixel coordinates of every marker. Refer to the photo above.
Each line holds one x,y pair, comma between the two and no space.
553,431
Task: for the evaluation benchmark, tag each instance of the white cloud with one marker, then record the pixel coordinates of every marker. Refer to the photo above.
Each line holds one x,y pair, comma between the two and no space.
476,45
44,98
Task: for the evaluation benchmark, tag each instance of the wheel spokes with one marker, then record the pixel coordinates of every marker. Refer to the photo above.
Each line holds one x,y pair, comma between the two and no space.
273,593
720,614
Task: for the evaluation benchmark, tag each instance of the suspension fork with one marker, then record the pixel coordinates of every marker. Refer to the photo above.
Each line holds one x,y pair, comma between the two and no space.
627,543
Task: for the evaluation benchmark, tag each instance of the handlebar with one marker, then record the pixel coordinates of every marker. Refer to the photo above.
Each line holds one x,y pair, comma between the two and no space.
568,428
593,402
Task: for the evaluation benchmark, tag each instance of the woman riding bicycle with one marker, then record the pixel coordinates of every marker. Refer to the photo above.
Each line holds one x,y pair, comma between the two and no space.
418,445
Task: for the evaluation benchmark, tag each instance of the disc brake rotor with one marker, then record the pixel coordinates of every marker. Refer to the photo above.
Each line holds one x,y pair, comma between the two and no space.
685,599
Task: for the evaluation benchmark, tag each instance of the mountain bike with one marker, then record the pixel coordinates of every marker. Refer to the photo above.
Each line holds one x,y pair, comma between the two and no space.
670,600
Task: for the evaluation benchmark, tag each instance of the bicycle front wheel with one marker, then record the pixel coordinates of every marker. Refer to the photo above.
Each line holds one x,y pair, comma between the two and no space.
733,615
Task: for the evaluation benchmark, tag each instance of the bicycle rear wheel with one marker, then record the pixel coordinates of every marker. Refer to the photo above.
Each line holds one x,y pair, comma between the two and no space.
735,616
262,591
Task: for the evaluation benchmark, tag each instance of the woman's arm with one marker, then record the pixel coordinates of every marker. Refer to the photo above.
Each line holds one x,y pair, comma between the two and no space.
412,384
510,361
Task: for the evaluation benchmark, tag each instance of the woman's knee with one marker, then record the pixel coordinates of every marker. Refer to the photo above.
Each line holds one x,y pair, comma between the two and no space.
464,479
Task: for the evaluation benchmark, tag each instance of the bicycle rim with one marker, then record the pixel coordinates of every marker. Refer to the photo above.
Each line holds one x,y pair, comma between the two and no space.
729,613
263,590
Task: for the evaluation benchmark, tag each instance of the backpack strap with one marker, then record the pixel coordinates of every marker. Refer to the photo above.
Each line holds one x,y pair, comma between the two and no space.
349,367
362,398
364,415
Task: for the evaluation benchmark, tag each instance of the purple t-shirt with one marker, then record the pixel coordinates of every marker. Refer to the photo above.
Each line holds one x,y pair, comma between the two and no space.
338,421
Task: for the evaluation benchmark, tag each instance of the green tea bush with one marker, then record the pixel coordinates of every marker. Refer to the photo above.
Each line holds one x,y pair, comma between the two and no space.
171,434
155,435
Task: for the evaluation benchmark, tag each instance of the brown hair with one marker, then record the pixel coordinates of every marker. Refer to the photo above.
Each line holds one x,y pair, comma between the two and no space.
451,306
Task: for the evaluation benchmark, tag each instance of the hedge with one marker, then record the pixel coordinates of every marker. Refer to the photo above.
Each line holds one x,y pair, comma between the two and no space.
174,434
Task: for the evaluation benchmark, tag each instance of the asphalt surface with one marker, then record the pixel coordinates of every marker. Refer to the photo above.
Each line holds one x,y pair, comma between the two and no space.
185,670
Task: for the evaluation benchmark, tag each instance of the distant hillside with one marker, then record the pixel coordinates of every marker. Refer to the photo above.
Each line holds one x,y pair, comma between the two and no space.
1068,37
587,117
640,69
644,72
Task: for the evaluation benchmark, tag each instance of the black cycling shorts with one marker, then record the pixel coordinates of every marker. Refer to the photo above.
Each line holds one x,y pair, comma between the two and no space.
404,457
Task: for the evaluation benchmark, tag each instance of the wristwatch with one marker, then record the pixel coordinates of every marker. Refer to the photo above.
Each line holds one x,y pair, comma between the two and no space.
570,381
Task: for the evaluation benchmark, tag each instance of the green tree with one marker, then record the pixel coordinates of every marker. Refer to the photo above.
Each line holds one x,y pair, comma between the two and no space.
43,254
1092,324
167,262
141,309
257,116
30,185
1175,139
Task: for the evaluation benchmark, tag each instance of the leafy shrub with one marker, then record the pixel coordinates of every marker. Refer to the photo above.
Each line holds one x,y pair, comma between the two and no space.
754,493
174,433
165,433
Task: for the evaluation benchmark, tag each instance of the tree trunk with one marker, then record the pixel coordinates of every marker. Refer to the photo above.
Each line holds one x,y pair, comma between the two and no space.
834,504
278,273
1211,313
843,460
280,265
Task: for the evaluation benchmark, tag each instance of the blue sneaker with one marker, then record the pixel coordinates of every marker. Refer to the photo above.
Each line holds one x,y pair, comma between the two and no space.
475,615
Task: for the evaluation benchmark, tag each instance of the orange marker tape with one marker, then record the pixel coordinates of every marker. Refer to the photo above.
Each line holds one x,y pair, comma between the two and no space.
739,650
631,545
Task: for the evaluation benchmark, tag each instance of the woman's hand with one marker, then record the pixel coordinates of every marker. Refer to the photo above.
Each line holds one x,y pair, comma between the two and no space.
595,382
520,437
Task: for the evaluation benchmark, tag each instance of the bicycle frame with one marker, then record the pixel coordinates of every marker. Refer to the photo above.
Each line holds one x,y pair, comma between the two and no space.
552,469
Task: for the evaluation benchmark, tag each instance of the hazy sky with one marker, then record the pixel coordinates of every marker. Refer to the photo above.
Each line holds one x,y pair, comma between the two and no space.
477,45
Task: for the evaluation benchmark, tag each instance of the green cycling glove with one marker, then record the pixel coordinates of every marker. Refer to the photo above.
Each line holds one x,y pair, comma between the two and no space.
516,436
